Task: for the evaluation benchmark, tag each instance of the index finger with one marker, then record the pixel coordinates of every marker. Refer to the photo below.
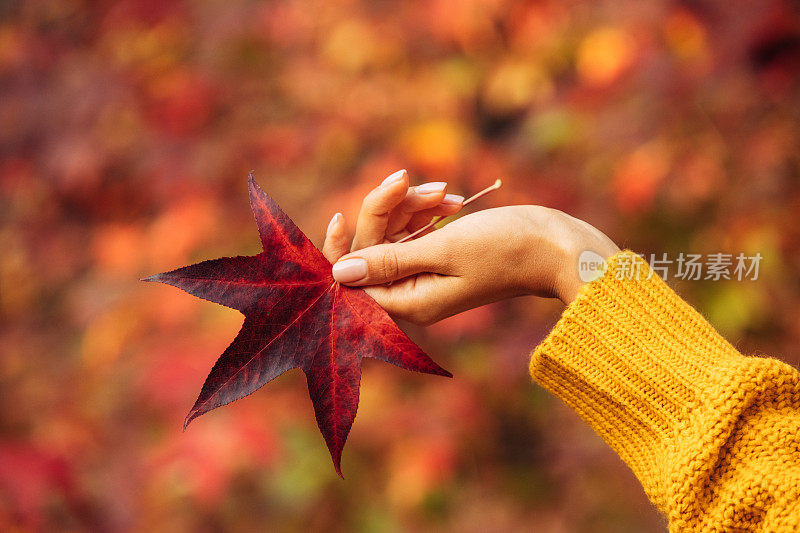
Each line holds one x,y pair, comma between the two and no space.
374,215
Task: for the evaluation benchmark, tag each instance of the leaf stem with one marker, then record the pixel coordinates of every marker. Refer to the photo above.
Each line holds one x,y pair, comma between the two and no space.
438,219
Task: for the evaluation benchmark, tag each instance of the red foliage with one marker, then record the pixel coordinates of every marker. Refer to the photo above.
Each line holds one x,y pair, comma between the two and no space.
296,316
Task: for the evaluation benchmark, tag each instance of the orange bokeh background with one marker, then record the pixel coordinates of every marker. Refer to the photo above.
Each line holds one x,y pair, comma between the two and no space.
127,129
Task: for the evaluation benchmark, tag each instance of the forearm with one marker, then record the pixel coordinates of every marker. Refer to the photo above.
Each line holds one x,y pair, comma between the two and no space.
678,403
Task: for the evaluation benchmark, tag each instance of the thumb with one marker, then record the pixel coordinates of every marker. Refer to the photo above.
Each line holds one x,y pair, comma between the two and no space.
387,262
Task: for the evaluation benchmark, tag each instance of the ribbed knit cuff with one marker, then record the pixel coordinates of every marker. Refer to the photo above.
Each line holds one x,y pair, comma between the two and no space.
632,358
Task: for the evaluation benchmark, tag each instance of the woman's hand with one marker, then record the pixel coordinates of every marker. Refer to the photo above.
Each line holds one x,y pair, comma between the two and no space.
480,258
390,212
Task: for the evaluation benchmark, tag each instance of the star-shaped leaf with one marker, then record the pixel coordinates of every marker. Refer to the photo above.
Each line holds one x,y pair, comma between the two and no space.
296,316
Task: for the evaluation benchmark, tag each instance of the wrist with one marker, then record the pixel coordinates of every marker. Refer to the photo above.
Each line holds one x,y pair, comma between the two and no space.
583,265
546,260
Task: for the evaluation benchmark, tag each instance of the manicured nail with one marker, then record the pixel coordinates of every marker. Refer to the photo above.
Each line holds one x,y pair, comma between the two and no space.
350,270
434,186
453,199
393,178
333,222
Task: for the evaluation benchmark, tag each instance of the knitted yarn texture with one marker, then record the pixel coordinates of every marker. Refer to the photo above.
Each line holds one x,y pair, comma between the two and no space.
712,435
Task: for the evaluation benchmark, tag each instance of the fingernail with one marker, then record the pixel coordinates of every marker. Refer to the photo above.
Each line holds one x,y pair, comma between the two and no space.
452,199
350,270
332,223
394,178
434,186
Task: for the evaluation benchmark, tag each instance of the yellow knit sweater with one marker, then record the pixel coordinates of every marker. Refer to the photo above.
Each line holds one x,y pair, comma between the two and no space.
713,435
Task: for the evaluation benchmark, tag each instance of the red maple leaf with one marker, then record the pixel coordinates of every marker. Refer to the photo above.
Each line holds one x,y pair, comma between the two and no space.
296,316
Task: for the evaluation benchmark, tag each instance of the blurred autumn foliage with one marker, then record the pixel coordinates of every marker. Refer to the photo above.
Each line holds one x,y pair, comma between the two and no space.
127,129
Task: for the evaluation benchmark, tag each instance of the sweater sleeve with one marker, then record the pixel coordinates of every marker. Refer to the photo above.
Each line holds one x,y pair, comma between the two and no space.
713,435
